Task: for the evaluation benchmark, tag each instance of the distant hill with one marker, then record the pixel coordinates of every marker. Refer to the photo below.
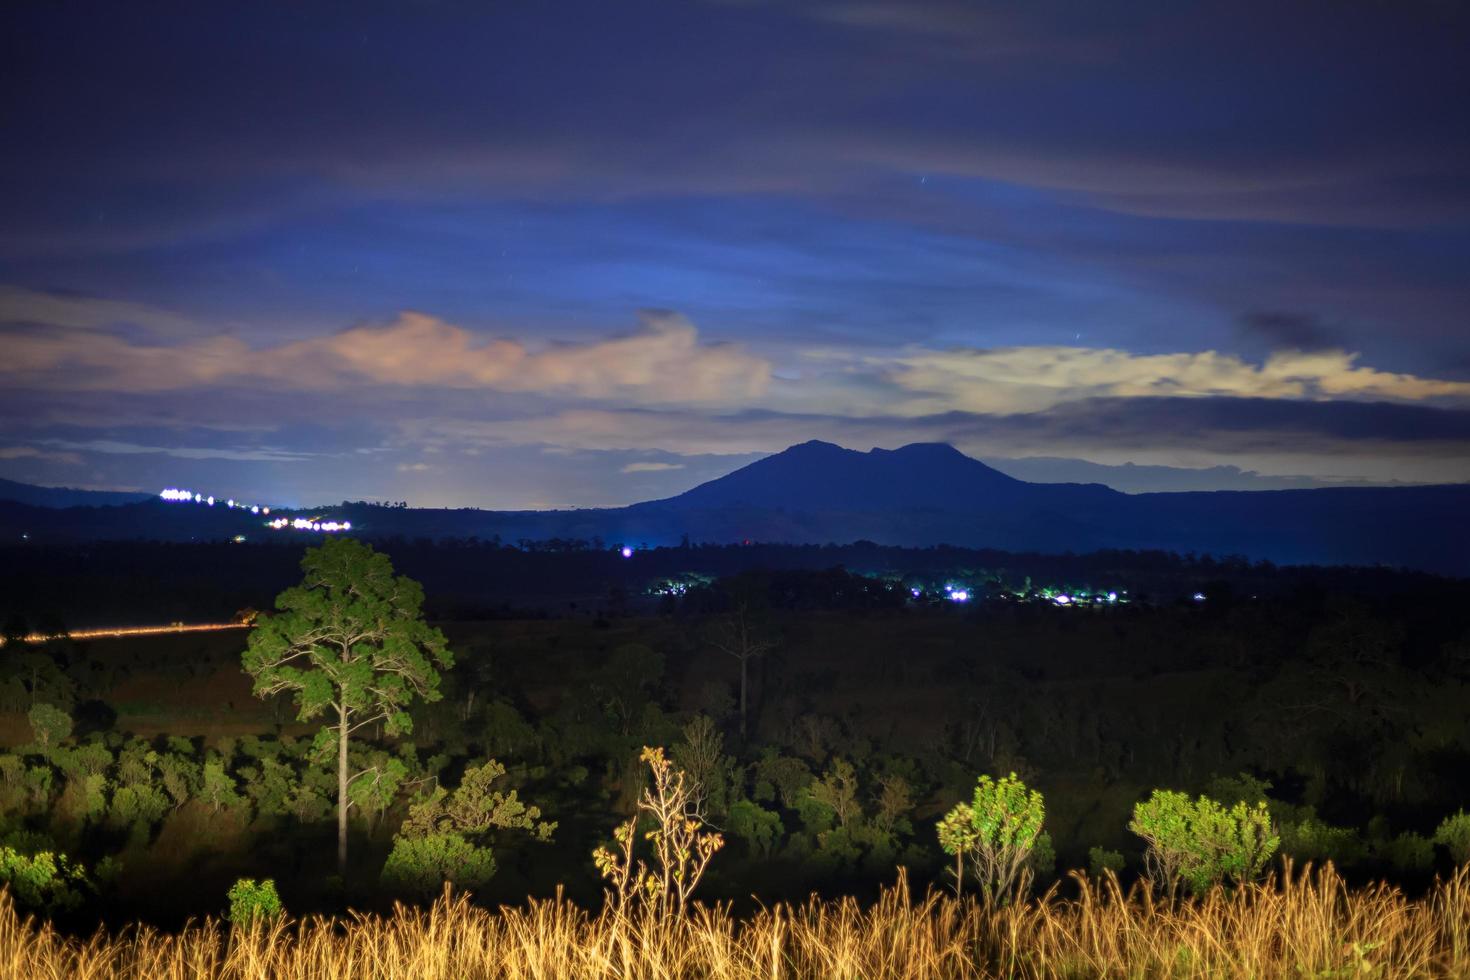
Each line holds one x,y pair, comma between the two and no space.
915,496
25,493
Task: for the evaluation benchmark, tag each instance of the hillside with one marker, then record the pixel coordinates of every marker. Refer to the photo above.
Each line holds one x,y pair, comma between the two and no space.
916,496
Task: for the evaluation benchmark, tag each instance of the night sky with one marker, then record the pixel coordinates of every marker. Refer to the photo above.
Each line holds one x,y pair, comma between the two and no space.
532,254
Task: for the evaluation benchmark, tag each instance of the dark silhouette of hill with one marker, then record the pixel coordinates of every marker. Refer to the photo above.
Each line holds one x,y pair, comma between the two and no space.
25,493
915,496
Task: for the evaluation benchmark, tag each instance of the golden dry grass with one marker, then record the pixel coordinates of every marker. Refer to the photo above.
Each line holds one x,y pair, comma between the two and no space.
1295,925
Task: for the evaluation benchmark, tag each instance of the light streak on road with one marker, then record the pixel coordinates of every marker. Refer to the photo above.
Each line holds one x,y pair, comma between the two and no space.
117,631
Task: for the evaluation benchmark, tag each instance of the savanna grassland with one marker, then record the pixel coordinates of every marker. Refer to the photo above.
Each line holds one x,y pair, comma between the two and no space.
1315,724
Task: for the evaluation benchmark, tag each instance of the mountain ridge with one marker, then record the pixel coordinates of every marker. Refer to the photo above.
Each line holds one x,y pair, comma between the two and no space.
920,495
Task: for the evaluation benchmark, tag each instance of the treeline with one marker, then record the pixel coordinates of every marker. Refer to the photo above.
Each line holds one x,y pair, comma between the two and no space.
139,582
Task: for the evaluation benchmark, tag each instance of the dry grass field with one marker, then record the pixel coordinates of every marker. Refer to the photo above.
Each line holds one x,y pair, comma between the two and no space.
1307,924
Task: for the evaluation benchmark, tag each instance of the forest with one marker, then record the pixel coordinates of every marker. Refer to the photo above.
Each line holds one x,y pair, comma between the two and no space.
826,727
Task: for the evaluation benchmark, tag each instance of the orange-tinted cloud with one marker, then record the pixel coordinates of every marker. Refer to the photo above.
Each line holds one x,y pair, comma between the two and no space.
663,361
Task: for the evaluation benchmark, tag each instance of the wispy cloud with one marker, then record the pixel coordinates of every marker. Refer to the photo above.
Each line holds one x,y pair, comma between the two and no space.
650,467
31,452
114,448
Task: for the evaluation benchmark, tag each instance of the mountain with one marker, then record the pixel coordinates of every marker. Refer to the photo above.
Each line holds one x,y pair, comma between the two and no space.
25,493
918,495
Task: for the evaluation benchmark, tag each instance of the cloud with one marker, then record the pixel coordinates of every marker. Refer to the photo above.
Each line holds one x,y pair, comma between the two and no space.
1036,378
664,360
113,447
1335,440
411,467
88,313
31,452
1295,331
650,467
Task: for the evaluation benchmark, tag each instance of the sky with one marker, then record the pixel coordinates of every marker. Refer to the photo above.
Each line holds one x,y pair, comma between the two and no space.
544,254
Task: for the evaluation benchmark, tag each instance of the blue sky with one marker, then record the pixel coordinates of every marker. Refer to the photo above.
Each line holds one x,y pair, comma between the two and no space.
574,254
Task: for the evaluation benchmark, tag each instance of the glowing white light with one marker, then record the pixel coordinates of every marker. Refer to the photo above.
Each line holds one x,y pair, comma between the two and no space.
346,525
1063,600
1199,597
1112,597
959,595
265,510
210,501
230,503
915,592
627,552
198,498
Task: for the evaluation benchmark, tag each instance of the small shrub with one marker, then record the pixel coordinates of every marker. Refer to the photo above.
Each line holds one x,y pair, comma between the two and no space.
1101,860
1454,834
994,833
1201,842
254,902
682,848
1408,853
1312,840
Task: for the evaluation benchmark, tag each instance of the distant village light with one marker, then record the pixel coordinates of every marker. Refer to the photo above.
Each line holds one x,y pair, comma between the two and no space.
627,552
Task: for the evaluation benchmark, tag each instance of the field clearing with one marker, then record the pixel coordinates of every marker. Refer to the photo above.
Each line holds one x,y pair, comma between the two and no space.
1307,924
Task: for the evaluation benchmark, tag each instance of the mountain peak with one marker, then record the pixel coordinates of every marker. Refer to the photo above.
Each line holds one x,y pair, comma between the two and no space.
812,447
819,476
929,450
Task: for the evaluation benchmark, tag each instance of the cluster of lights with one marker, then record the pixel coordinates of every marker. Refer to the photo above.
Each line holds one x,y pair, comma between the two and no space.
1083,599
176,495
956,595
308,524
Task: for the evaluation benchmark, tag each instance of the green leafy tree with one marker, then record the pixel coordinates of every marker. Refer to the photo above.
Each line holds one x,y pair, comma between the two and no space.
995,834
446,836
50,726
1201,842
760,828
1454,833
349,642
180,776
838,791
219,789
42,881
254,902
782,778
136,808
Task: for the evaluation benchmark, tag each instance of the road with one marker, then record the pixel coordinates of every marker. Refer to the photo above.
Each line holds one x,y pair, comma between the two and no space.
108,633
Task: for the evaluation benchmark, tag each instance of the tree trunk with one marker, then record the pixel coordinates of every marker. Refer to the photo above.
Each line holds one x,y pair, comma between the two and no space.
342,793
743,662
